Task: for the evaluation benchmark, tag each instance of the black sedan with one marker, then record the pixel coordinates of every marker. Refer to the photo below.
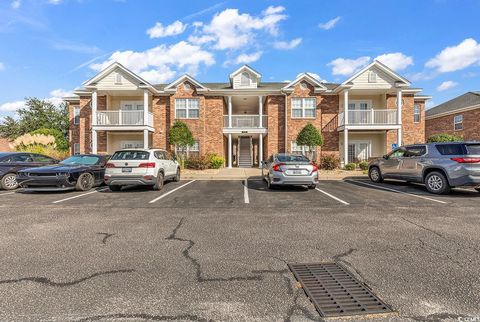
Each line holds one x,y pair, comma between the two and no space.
12,162
79,172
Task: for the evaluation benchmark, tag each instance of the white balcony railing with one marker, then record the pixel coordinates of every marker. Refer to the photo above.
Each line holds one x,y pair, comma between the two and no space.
245,121
369,117
119,117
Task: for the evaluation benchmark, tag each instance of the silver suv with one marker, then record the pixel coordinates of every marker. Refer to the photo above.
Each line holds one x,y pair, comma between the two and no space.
141,167
440,166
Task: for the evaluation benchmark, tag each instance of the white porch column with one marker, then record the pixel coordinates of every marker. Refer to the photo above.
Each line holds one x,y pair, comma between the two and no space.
260,111
229,111
145,139
94,142
399,116
230,150
145,107
260,150
345,107
345,147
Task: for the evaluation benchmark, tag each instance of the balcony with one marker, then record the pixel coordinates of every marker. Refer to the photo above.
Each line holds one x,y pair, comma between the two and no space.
122,118
369,117
245,121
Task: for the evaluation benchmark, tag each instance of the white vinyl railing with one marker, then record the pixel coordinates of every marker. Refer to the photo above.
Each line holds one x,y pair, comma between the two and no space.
369,117
245,121
119,117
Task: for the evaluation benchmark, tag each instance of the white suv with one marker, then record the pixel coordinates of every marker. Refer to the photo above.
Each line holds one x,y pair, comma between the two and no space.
141,167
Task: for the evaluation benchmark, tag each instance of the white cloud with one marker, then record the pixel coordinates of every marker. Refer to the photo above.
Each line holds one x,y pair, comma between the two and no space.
159,31
161,63
16,4
314,75
446,85
457,57
59,92
287,45
229,29
55,98
396,61
55,2
248,58
346,67
329,24
2,66
12,106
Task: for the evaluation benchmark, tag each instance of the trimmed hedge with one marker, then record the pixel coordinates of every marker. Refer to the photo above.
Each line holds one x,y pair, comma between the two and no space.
350,166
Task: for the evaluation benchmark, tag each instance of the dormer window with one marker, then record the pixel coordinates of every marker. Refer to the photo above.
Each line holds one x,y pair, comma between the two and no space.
186,86
372,77
118,78
303,85
245,79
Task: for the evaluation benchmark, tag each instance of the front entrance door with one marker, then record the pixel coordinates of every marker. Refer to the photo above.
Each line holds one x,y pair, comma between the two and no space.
359,151
245,152
131,145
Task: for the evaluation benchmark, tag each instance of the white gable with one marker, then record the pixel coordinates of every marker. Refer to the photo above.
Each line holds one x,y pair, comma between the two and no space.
373,78
117,79
245,77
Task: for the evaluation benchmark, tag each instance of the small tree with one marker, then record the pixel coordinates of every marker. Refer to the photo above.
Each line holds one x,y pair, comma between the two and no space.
311,137
444,137
181,137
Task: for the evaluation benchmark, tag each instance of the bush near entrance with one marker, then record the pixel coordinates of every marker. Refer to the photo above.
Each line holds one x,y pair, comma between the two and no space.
350,166
329,162
311,137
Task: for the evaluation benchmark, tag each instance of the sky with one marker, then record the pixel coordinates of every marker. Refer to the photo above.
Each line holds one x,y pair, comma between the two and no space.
49,47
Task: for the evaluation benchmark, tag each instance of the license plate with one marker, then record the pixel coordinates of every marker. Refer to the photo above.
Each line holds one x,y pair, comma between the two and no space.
297,171
126,169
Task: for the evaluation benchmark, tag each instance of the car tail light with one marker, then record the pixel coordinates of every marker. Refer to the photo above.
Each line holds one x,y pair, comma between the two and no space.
466,160
147,165
315,168
110,165
277,168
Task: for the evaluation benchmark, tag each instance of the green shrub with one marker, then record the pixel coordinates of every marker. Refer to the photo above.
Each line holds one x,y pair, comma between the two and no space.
60,140
329,162
350,166
444,137
363,165
215,161
197,163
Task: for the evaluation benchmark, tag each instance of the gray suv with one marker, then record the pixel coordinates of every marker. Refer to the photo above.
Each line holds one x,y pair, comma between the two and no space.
440,166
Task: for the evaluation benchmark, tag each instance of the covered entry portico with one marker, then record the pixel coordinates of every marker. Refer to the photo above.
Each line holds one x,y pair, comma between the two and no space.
245,150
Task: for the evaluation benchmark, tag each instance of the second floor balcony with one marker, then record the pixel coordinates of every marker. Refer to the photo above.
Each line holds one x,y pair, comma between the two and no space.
122,118
369,117
245,121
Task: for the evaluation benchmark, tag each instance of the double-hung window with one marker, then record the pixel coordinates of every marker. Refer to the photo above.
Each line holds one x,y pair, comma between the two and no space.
416,113
187,108
192,150
458,122
76,148
304,107
76,115
300,149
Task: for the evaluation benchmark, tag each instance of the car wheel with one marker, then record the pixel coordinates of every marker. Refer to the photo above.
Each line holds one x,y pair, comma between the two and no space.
115,188
478,189
437,183
159,184
312,186
177,176
85,182
9,181
375,175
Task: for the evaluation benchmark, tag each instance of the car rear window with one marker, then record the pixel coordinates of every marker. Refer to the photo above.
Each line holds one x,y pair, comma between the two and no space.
473,149
292,158
450,149
130,155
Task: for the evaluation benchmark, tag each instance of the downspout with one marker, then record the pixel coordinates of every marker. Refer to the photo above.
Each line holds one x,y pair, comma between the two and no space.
286,119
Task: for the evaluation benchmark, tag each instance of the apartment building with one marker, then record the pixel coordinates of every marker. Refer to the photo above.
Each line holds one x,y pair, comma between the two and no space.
246,119
459,116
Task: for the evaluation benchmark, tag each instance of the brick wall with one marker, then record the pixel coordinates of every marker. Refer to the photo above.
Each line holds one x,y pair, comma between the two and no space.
5,145
444,124
274,141
330,108
161,121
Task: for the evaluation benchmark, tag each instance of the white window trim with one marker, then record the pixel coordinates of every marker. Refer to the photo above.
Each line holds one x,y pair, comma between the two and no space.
75,109
190,148
300,148
372,77
303,108
76,148
369,104
358,142
136,144
415,106
134,103
187,108
455,123
118,79
249,78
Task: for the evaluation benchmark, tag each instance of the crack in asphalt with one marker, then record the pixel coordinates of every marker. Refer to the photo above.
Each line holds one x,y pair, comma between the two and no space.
340,258
437,251
198,266
147,317
49,282
439,317
296,307
105,237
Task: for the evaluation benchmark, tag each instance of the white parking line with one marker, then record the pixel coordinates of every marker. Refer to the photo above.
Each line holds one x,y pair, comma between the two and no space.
171,191
78,196
398,191
245,191
332,196
7,193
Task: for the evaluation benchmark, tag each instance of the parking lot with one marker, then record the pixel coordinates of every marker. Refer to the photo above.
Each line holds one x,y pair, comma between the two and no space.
217,251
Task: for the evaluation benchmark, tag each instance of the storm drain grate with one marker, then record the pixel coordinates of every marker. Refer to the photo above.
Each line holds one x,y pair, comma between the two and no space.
335,292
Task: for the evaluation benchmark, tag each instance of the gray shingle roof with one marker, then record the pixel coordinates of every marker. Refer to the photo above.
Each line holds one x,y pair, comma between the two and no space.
274,86
466,100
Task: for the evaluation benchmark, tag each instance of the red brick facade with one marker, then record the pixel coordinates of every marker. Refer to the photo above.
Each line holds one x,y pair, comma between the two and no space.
444,124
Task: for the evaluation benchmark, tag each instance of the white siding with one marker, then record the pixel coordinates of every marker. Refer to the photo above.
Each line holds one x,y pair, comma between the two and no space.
237,81
110,82
384,81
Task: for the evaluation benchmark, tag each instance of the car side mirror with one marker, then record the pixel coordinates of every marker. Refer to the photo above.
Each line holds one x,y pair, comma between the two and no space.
385,156
174,158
